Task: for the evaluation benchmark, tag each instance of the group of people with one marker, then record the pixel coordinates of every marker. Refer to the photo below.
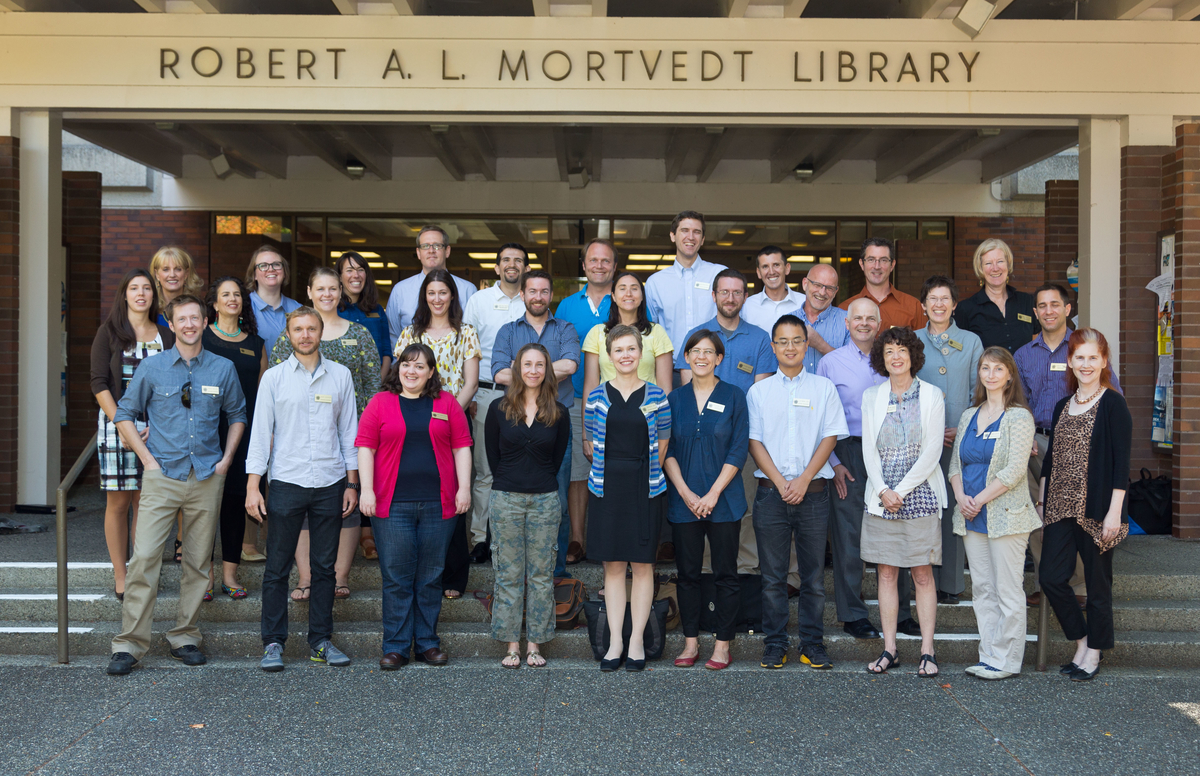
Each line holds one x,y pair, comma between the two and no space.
682,419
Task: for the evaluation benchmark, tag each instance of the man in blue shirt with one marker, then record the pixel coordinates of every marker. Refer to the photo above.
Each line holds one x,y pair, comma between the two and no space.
183,392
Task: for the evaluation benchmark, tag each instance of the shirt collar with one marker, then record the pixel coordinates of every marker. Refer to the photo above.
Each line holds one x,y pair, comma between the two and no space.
174,356
788,382
699,262
944,336
499,292
262,304
1039,340
742,327
295,364
549,319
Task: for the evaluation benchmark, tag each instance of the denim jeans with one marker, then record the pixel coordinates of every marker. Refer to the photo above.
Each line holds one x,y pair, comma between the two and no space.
777,525
411,542
564,526
287,507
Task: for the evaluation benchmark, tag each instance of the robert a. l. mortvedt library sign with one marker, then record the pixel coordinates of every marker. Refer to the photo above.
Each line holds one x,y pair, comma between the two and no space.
747,67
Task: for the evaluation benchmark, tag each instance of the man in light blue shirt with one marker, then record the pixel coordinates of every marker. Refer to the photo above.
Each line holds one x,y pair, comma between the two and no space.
680,297
776,299
433,249
826,322
266,277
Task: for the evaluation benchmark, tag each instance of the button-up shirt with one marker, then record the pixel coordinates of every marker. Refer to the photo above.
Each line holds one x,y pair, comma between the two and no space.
578,310
850,371
790,416
1013,328
831,325
558,337
183,439
1045,384
271,320
762,311
304,425
374,322
747,353
896,309
402,303
487,311
952,364
680,298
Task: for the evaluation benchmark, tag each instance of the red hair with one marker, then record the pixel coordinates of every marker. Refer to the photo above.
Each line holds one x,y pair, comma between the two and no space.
1080,337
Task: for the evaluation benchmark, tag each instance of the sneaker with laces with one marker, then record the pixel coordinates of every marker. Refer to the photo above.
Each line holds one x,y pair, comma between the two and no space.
814,656
120,664
328,654
773,657
975,669
272,659
189,655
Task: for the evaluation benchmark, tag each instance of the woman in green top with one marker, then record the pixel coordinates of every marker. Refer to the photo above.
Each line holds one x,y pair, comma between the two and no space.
351,345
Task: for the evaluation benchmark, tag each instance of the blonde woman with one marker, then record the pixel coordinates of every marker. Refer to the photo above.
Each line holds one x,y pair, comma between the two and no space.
999,314
174,273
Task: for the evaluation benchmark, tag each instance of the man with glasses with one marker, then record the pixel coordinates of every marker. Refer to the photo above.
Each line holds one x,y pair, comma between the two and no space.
896,308
680,297
433,249
183,391
265,277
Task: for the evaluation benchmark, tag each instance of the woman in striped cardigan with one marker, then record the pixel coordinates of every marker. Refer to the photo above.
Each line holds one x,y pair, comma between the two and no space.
626,425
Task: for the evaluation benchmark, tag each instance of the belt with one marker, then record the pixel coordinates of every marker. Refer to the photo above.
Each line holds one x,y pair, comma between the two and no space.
1042,430
854,439
816,486
489,386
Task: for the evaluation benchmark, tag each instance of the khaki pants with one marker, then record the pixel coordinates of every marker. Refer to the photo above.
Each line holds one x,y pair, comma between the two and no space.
481,481
1035,539
162,498
998,597
747,560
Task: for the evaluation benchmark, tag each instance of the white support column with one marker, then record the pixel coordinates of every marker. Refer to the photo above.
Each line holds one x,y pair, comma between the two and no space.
42,275
1100,227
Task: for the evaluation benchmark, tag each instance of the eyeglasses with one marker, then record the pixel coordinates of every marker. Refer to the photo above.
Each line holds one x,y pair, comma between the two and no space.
707,352
726,293
797,342
431,246
264,267
185,396
821,286
878,261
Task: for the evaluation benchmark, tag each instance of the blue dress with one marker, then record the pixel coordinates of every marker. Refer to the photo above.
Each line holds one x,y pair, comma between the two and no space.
975,454
702,443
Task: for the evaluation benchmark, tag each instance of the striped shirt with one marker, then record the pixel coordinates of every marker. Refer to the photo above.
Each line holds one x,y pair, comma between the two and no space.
1045,386
595,419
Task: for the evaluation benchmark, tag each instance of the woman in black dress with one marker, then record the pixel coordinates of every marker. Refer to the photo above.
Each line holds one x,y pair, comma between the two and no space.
626,425
232,334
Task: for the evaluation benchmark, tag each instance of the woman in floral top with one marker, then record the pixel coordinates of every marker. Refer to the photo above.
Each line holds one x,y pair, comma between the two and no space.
351,345
438,324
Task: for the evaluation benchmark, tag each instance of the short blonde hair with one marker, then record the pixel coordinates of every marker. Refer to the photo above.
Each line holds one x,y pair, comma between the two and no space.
193,285
619,331
988,245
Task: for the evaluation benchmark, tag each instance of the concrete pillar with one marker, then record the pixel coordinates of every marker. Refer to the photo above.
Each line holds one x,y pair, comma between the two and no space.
1100,227
40,362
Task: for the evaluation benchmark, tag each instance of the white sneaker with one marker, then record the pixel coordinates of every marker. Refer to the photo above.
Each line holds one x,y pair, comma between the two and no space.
975,669
989,673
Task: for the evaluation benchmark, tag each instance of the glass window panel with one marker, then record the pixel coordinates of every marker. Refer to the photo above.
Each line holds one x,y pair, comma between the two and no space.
275,227
894,230
229,224
935,230
309,230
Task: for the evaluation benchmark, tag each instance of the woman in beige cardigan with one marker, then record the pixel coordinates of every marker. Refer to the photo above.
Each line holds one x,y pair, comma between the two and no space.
994,513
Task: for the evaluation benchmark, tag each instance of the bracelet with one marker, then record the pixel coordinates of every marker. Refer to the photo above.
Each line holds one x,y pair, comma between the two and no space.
1039,504
353,486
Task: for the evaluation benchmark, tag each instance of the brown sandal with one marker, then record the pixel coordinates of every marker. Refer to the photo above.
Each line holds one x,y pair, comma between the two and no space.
368,548
337,591
575,553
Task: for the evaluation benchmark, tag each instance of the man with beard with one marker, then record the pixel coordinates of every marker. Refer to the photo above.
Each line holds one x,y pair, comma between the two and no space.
489,310
433,249
896,308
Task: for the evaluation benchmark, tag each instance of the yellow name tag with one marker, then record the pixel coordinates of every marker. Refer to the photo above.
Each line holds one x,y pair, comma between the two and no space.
712,405
372,315
351,343
211,390
648,408
956,345
246,351
324,398
743,366
153,346
439,416
500,306
1024,318
801,402
702,286
1058,367
891,408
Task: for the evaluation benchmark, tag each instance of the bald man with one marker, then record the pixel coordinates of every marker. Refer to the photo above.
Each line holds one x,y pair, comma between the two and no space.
827,329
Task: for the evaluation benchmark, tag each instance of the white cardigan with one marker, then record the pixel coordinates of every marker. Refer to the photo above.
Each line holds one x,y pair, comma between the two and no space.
928,466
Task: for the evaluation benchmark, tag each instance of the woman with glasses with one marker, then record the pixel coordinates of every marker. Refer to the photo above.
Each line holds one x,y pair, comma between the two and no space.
710,437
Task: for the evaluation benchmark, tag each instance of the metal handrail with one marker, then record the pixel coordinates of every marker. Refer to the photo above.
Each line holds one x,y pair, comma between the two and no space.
60,511
1043,626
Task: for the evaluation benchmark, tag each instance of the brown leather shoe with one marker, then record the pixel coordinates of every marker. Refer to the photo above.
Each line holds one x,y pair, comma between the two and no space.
433,656
1034,599
1082,601
391,661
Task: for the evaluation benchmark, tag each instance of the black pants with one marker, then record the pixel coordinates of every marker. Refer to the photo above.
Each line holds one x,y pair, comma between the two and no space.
458,559
689,557
1060,542
287,507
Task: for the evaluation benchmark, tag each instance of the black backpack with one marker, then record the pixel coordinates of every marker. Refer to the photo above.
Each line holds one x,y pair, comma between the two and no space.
1150,503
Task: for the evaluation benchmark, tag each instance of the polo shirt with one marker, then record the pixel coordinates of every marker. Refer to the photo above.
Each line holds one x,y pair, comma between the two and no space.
1017,326
790,416
762,311
558,337
487,311
952,364
578,310
402,303
681,297
896,309
747,353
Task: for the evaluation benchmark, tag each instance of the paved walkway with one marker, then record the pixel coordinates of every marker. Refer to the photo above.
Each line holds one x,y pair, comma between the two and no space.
474,718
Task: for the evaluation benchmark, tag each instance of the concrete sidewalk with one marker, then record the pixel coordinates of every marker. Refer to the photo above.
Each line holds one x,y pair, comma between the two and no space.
473,717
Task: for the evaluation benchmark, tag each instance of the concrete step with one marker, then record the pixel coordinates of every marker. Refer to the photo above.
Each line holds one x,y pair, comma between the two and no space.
92,606
361,640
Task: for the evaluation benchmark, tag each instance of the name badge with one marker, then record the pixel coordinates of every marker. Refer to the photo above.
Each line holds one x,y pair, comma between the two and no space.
153,346
891,408
1023,318
246,351
372,315
712,405
439,416
744,367
956,345
210,390
351,343
500,306
702,286
992,435
798,402
648,408
1058,367
324,398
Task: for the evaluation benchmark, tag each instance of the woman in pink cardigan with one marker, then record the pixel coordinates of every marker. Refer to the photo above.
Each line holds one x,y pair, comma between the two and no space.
414,459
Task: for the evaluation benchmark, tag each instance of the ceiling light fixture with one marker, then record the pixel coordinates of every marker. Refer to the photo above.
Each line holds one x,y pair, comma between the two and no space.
354,168
804,170
973,15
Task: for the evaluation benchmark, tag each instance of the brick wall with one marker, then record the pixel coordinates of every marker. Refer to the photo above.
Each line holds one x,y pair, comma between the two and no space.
1062,230
1025,235
132,236
85,309
10,222
918,260
1185,168
230,254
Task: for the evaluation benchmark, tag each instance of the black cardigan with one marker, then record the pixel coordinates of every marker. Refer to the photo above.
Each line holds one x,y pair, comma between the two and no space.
106,360
1108,456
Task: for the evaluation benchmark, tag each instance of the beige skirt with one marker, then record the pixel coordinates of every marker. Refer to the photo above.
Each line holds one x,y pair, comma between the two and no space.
903,543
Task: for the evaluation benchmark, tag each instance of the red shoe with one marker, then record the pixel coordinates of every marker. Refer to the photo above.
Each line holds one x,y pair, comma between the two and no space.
685,662
713,665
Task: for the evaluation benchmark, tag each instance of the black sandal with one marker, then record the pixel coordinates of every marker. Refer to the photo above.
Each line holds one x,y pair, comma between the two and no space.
893,662
928,659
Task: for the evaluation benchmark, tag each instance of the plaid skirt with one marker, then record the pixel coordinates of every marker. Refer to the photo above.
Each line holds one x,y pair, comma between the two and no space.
120,468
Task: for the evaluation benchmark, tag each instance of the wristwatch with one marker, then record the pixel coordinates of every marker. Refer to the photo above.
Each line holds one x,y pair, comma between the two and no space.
353,486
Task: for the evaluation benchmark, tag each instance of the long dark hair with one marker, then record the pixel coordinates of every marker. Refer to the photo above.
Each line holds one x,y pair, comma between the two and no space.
368,300
614,313
246,319
513,402
118,317
423,317
414,351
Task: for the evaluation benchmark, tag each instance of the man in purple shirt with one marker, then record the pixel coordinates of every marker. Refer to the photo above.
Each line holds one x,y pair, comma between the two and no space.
849,368
1042,365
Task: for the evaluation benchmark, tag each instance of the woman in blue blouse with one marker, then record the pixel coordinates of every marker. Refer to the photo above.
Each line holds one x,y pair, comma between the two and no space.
626,424
710,435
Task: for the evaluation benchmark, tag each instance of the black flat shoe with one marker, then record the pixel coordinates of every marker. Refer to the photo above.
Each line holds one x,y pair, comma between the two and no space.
608,666
120,596
1066,669
635,665
1079,675
861,629
908,627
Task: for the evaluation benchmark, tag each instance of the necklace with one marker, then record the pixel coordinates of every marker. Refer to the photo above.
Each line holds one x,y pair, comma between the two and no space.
1082,402
227,334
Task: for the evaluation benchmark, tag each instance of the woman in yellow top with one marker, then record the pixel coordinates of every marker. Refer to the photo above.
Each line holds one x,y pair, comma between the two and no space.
629,309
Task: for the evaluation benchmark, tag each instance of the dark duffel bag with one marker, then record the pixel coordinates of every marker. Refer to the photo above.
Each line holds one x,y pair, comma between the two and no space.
1150,503
749,614
654,639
